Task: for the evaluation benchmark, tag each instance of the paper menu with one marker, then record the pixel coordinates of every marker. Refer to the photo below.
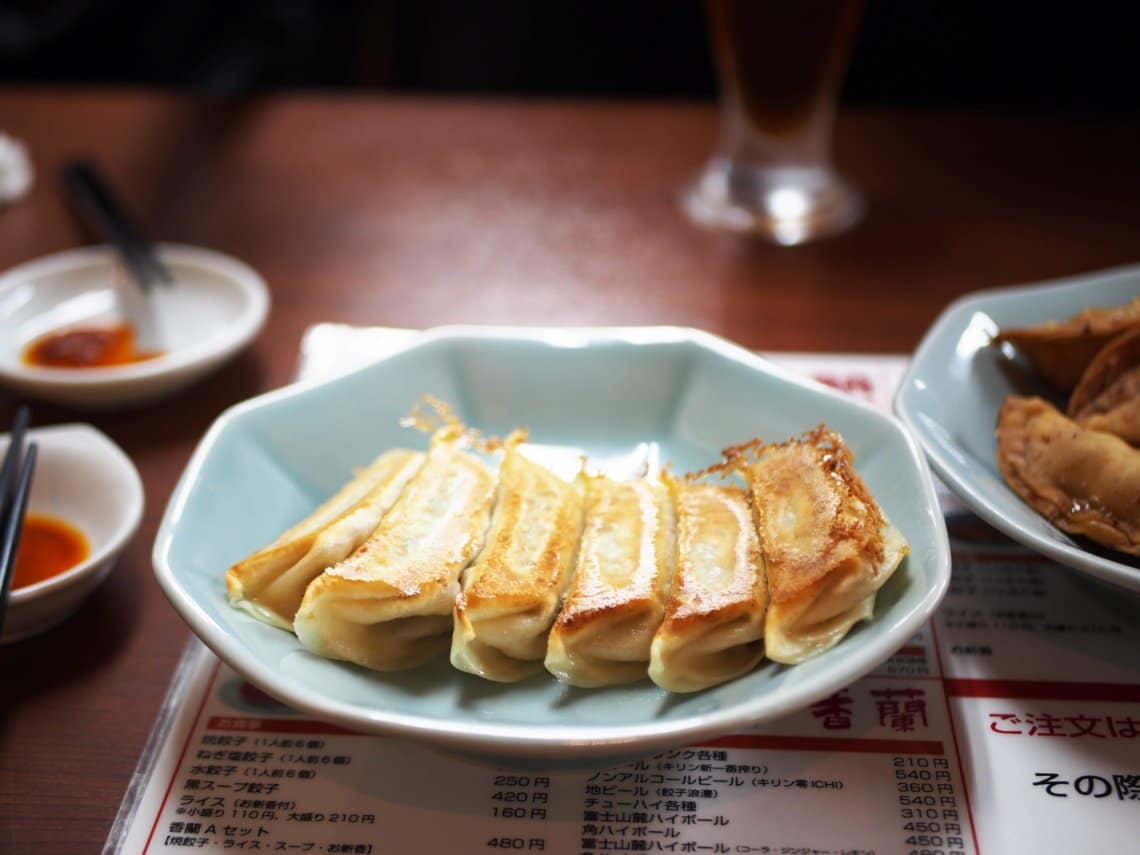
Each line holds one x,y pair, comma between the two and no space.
239,769
1009,724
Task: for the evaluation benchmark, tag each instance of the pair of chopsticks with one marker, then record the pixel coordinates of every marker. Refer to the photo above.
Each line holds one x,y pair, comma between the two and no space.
15,485
92,199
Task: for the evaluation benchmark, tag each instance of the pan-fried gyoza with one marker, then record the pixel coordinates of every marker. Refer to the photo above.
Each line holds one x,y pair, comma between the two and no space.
1061,350
617,596
602,581
388,605
714,618
512,592
827,544
1084,481
270,583
1079,469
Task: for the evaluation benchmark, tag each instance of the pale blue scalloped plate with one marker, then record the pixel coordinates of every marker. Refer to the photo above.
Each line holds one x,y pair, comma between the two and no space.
619,395
956,383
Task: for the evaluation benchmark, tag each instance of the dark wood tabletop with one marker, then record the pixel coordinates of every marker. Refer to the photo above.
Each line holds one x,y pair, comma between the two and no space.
416,212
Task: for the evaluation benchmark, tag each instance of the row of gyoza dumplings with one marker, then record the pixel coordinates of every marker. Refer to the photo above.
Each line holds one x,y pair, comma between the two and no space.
602,581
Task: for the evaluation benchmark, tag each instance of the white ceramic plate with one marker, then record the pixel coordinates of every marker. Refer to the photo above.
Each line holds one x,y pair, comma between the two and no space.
622,396
956,383
81,477
217,305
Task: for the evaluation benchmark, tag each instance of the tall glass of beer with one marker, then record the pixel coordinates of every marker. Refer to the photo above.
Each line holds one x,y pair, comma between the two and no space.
780,65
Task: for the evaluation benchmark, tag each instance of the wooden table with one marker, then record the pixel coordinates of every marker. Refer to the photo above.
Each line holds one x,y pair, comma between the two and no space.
417,212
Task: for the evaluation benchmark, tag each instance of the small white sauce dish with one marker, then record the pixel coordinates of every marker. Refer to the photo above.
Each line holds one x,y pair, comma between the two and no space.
216,306
85,479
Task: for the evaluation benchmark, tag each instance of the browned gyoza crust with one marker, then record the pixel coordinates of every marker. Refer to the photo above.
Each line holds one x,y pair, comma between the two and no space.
827,545
1107,398
270,583
714,618
1061,350
511,594
1083,481
388,605
621,578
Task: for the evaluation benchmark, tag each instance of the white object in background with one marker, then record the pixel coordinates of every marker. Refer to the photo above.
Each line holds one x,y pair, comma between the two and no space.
216,306
86,480
16,173
329,350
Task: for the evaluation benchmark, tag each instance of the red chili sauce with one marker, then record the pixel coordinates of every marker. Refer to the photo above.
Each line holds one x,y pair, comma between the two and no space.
87,347
48,546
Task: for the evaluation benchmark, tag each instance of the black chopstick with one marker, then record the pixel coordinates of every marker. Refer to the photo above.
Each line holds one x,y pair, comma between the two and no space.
12,458
92,199
14,503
